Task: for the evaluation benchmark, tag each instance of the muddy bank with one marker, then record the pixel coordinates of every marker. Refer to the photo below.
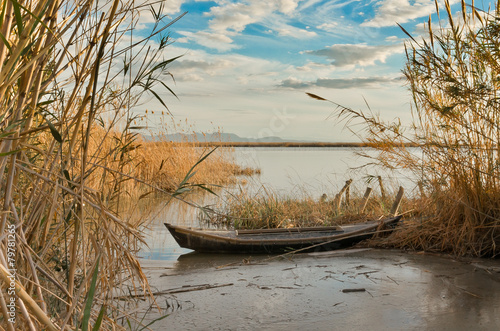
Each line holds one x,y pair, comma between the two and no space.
349,290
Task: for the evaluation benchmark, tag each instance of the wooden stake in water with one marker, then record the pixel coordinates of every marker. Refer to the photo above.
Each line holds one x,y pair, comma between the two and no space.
382,190
397,202
338,197
364,202
347,196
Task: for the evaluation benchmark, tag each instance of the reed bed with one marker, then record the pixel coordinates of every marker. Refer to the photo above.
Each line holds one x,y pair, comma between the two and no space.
453,77
71,75
272,210
164,164
158,164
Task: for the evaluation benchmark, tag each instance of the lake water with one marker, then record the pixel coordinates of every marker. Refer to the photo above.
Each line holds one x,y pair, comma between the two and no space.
286,171
313,171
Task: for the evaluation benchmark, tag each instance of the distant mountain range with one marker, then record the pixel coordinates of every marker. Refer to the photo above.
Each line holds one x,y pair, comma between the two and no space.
224,137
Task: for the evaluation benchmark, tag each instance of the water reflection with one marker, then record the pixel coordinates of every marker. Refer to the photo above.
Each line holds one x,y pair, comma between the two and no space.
314,171
287,171
161,245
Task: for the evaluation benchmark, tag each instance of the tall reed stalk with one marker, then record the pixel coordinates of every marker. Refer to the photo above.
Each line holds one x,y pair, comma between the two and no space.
66,68
453,75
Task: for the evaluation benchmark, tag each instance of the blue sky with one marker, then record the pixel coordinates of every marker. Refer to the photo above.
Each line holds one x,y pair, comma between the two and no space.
246,65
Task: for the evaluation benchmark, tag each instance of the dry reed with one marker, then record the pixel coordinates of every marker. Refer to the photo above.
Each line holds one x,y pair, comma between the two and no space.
453,77
165,163
160,164
70,76
272,210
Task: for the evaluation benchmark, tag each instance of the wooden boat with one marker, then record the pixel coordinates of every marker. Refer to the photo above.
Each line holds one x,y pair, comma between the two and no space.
276,240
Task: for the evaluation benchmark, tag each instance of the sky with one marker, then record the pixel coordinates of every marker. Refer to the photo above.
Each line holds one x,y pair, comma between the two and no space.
246,65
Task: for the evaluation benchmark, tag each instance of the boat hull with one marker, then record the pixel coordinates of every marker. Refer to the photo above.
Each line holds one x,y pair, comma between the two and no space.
277,242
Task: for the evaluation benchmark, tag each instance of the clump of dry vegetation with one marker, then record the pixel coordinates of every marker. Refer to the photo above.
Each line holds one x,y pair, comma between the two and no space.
272,210
71,74
164,164
453,75
161,164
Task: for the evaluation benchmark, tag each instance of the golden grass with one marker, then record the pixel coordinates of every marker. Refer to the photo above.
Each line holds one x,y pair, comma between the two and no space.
160,164
272,210
165,163
69,80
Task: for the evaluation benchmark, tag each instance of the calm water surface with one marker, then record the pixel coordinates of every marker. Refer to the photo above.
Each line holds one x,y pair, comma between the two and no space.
312,171
285,171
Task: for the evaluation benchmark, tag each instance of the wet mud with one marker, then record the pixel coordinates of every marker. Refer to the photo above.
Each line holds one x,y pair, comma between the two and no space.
341,290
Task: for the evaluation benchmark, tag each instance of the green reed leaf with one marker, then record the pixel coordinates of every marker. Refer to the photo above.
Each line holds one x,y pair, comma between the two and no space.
98,322
90,298
17,13
6,42
53,130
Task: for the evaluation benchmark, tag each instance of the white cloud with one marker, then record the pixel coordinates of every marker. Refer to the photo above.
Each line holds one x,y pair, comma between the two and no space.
197,66
422,29
219,41
392,39
390,12
216,37
173,6
292,31
287,6
194,70
236,16
189,77
182,40
311,66
228,20
308,3
327,26
343,55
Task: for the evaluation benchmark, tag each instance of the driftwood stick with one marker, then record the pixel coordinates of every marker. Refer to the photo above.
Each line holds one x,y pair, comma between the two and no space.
187,288
382,189
191,289
350,290
338,197
364,202
348,196
397,202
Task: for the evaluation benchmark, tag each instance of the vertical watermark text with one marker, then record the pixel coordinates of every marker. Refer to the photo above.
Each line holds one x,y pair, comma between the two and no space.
11,263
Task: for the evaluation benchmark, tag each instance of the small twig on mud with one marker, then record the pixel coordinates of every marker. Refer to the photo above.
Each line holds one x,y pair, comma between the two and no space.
366,272
469,293
186,288
288,287
351,290
393,280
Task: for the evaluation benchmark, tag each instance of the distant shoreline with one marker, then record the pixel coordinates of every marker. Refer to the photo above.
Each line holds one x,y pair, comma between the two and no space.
283,144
